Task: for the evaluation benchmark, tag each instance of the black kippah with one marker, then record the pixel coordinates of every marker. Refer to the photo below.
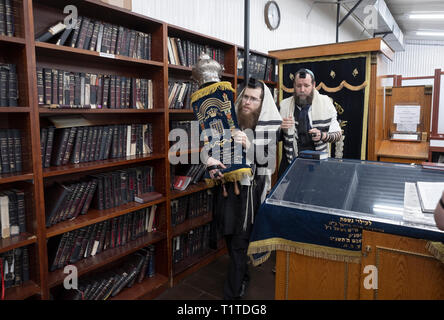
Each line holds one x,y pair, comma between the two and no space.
253,83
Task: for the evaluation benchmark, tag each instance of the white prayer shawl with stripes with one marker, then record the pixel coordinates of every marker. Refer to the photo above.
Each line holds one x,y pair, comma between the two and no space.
265,137
322,115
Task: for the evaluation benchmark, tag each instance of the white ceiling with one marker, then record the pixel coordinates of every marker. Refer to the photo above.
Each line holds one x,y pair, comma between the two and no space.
401,9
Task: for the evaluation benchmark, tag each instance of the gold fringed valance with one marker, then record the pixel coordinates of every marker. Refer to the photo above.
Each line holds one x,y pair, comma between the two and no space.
223,85
333,89
316,251
231,176
436,249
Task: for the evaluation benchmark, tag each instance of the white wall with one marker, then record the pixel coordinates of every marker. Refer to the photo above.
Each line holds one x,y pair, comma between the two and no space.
225,20
420,58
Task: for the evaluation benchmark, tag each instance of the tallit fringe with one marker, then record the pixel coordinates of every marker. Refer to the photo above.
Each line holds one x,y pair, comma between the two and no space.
223,85
436,249
310,250
232,176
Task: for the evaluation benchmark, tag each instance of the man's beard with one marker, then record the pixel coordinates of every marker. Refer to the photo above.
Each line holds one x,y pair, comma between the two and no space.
248,120
302,102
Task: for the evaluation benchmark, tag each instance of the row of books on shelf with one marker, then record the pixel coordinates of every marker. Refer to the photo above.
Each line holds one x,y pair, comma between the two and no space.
193,243
194,174
179,94
10,151
14,269
8,85
65,89
79,244
12,213
260,67
6,18
101,191
102,286
191,206
93,143
99,36
186,53
184,144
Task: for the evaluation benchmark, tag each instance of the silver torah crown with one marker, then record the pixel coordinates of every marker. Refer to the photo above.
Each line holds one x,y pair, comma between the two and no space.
206,70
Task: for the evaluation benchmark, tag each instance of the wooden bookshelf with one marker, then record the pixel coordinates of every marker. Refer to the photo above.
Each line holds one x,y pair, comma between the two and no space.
32,18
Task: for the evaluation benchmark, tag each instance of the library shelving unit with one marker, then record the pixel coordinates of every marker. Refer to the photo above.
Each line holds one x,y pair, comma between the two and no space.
30,116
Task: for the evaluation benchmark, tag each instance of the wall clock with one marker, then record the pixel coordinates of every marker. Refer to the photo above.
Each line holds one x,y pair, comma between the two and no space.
272,15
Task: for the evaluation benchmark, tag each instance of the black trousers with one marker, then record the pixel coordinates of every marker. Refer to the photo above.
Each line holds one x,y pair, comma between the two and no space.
237,246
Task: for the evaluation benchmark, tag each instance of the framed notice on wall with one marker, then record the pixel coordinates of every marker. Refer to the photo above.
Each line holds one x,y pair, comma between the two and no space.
406,122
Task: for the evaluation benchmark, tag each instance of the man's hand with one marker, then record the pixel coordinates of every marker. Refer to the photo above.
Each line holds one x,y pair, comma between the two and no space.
287,123
240,137
316,135
215,172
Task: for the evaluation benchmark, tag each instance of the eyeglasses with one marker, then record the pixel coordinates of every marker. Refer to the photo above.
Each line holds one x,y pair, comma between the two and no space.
245,98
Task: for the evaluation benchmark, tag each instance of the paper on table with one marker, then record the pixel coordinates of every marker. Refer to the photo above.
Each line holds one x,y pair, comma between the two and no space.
406,114
429,194
412,206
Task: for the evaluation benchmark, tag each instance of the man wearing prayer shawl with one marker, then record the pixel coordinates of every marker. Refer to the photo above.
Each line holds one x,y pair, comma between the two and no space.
259,121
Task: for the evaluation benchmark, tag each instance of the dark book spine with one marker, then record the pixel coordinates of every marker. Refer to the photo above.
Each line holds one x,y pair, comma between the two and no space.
69,146
3,86
18,265
62,141
77,89
43,140
83,32
54,86
94,143
89,35
88,144
112,92
59,251
77,146
84,144
60,77
49,147
11,151
2,18
72,89
106,91
48,85
17,150
85,241
25,265
131,43
113,42
9,18
13,92
90,196
76,33
119,40
99,140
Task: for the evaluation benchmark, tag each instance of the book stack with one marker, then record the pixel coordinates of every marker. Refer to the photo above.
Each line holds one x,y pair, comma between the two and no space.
194,243
66,89
93,143
10,151
313,154
193,175
100,36
134,269
120,187
12,213
86,242
192,206
186,53
15,267
260,67
68,201
8,85
179,94
6,18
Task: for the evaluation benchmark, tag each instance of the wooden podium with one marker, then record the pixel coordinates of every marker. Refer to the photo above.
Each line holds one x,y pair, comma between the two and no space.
394,150
405,270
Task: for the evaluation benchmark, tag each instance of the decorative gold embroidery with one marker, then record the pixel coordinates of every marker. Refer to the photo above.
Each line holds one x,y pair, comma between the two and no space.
355,72
332,74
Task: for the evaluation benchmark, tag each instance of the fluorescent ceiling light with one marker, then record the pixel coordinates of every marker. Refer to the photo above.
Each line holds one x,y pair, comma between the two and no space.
430,33
428,16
